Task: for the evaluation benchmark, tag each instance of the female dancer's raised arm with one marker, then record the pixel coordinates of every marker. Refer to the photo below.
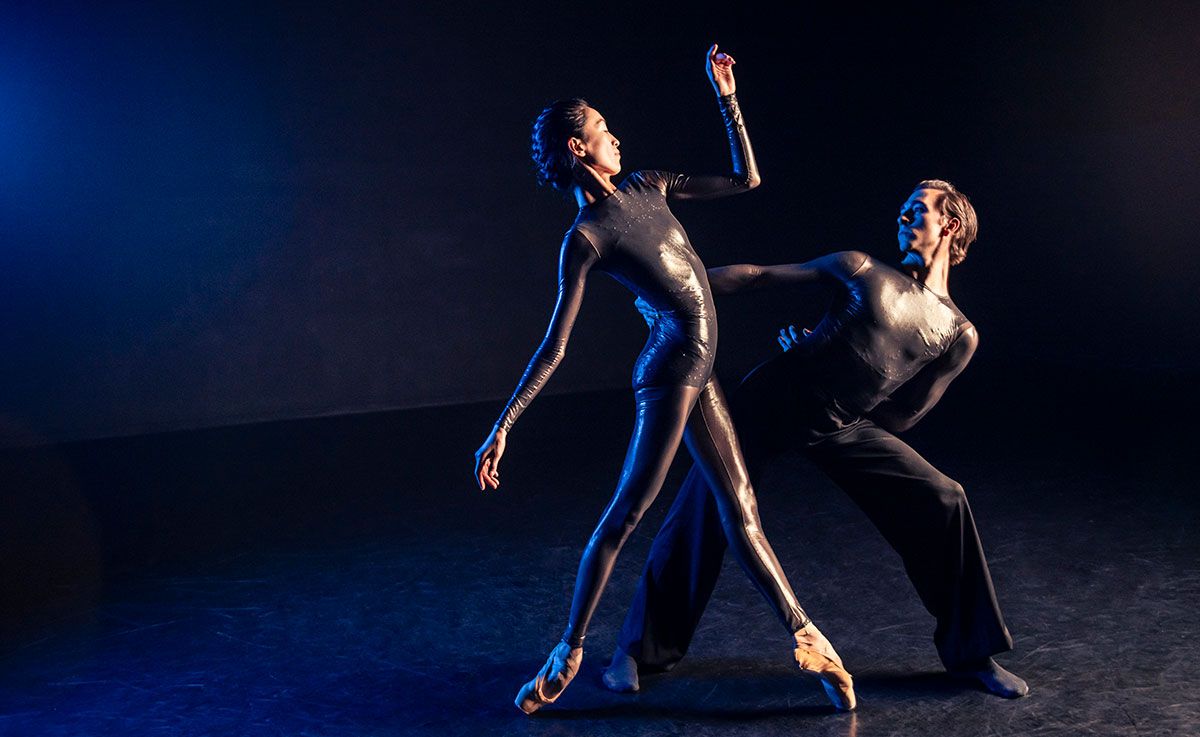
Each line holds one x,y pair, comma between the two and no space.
745,174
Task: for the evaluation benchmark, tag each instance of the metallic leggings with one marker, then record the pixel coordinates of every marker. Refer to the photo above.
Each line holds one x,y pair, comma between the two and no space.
701,418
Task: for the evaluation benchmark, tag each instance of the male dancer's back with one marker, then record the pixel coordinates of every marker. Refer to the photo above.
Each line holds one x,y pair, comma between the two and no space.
879,360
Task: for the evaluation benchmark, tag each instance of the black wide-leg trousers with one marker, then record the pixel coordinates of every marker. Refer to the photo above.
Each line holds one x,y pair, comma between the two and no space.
921,512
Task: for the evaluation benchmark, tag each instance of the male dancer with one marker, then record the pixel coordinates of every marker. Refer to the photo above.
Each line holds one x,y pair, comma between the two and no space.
875,364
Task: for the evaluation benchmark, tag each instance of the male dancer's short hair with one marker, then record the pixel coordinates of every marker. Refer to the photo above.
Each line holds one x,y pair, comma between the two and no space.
956,205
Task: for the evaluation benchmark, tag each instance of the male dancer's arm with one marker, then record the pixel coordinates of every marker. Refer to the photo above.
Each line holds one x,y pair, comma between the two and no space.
748,277
909,403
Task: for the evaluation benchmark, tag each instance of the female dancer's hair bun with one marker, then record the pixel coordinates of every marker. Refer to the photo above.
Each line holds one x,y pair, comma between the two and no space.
560,121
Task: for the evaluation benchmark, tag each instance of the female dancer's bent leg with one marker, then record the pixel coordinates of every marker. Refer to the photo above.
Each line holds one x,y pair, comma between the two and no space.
662,414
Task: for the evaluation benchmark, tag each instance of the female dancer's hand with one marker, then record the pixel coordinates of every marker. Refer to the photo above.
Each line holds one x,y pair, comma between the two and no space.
720,72
487,459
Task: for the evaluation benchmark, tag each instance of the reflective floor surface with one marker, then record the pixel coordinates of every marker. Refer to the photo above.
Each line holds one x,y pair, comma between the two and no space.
343,577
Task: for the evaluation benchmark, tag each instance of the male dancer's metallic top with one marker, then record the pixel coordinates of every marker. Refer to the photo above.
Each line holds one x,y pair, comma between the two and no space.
883,327
632,236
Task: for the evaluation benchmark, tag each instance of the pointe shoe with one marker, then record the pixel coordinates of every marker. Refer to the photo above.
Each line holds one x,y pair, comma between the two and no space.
816,656
551,680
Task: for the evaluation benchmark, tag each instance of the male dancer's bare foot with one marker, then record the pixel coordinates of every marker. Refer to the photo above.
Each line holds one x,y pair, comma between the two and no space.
622,673
816,656
988,673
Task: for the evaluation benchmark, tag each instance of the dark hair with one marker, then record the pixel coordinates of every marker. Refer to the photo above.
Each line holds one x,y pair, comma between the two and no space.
956,205
563,119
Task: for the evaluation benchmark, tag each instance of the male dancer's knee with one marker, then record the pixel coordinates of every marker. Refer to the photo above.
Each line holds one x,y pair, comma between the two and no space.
950,495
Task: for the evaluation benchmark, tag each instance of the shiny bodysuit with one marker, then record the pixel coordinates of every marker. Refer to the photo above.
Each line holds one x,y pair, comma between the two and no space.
882,328
632,236
881,356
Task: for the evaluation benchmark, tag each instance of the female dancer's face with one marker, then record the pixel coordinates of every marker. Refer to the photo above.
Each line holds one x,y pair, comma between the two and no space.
596,146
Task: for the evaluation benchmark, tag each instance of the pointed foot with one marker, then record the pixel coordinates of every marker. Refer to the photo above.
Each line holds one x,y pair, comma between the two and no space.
551,680
816,656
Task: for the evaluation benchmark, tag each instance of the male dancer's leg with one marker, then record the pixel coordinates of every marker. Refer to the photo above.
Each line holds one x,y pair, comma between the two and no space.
686,556
684,563
925,517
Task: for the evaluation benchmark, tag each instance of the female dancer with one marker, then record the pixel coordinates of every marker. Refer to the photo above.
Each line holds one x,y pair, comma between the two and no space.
628,232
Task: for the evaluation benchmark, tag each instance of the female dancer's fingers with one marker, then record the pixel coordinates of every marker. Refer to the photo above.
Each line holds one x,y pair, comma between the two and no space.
482,472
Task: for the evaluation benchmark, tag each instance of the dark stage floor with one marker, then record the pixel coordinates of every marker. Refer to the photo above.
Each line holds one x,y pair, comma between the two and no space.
341,577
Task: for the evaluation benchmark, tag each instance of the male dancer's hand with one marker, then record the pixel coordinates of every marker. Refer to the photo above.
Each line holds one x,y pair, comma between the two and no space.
487,459
720,72
789,338
649,314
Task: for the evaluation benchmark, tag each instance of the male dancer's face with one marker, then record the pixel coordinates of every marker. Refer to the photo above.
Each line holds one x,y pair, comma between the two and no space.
920,224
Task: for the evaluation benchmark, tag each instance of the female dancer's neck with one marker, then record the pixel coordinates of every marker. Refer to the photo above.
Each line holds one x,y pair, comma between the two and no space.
591,186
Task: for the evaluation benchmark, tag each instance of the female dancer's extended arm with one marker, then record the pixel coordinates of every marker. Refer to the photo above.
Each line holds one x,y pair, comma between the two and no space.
575,261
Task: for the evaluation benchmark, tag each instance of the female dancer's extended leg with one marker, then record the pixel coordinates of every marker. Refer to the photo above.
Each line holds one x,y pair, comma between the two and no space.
713,443
711,438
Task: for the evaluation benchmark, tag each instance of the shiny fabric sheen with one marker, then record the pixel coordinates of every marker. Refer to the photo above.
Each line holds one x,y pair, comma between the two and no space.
883,328
632,236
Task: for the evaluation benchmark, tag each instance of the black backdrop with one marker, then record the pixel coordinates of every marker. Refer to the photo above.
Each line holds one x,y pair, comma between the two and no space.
221,214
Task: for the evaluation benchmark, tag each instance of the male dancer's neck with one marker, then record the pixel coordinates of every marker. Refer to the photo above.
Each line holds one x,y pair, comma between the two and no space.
935,276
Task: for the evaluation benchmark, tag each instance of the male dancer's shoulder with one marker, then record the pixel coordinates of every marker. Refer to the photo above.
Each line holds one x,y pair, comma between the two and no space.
963,347
849,264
